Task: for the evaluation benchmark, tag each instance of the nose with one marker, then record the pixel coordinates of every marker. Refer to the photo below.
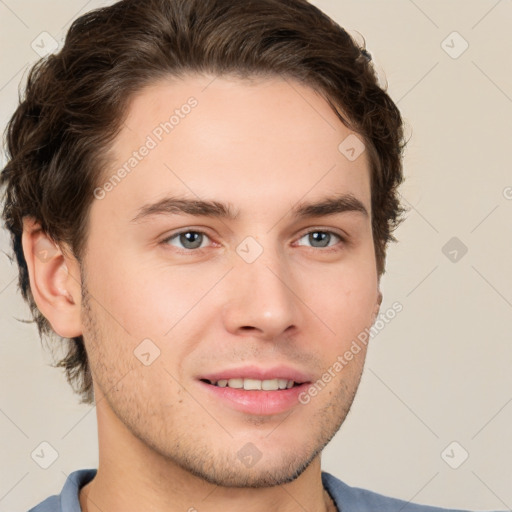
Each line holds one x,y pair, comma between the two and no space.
261,299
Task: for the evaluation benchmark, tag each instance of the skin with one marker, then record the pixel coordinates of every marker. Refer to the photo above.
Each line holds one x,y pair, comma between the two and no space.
164,443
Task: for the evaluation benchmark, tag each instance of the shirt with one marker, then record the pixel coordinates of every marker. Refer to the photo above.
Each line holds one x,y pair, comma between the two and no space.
347,498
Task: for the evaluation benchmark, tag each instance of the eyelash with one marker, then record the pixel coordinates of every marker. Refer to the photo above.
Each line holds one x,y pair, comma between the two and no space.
332,248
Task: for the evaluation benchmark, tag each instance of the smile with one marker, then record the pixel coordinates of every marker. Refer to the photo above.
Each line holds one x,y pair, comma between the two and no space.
254,384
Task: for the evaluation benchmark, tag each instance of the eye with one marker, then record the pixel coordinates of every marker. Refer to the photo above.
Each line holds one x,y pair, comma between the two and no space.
320,239
189,240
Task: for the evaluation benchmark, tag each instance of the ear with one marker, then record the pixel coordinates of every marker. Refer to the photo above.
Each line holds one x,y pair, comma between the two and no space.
54,280
377,306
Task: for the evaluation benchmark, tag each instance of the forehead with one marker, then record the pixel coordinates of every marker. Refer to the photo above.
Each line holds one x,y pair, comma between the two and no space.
236,140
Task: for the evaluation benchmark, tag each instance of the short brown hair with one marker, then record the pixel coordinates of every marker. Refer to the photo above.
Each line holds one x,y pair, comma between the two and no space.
75,101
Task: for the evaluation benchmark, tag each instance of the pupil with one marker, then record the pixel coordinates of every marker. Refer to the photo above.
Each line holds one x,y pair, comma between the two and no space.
189,239
319,236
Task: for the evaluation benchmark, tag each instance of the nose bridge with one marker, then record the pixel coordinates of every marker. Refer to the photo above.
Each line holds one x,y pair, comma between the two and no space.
261,297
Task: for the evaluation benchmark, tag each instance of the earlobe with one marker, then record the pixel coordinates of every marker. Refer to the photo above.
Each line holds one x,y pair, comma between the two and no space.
377,307
54,280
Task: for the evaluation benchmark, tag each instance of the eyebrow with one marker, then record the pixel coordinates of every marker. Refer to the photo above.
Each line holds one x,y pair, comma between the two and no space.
176,205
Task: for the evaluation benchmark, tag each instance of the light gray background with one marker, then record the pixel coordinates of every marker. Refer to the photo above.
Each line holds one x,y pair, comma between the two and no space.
440,371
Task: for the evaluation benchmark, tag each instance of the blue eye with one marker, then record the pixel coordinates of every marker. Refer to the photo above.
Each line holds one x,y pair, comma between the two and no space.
192,240
188,239
320,239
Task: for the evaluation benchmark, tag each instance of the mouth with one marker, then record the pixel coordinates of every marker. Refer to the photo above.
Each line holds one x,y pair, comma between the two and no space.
256,391
254,384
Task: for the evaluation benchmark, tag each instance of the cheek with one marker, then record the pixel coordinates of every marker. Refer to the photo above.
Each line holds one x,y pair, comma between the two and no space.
344,297
147,299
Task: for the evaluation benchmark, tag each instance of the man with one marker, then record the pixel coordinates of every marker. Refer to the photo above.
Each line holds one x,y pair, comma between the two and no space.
201,193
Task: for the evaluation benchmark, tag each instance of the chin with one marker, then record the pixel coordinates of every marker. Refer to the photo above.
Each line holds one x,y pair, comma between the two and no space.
282,469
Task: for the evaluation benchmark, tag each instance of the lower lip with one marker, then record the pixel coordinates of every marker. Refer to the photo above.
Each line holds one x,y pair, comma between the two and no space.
257,402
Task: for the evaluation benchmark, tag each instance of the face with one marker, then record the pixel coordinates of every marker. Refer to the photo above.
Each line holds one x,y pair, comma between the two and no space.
233,282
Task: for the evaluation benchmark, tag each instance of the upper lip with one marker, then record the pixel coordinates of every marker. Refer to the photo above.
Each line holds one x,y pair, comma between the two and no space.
256,372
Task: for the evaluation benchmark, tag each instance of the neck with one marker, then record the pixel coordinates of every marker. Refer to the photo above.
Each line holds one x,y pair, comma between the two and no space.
133,477
132,491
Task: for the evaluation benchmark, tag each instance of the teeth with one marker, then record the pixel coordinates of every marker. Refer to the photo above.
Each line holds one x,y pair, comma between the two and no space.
252,384
269,385
236,383
255,384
